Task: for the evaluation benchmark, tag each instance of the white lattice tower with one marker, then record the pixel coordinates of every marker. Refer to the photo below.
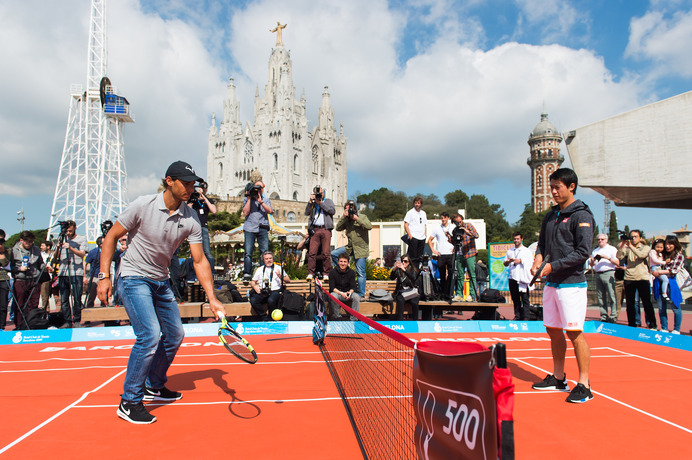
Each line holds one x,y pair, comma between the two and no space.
92,179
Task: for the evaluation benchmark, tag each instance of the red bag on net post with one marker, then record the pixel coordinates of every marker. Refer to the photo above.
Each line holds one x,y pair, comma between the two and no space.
453,401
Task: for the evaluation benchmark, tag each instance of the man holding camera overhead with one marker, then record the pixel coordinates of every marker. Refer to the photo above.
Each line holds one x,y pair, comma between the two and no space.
321,211
256,208
357,231
204,206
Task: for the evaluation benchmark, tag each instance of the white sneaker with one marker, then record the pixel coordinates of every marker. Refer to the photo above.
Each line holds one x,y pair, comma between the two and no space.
325,278
310,277
675,332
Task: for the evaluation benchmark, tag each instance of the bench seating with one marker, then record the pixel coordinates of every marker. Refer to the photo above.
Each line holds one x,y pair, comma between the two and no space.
194,309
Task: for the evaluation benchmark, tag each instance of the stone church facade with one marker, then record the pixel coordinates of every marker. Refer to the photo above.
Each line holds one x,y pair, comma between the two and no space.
290,157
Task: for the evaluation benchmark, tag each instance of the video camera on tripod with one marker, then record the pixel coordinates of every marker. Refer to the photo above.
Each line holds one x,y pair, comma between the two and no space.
105,227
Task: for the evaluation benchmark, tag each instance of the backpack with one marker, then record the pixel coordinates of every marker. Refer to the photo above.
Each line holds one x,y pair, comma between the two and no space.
37,319
491,296
293,302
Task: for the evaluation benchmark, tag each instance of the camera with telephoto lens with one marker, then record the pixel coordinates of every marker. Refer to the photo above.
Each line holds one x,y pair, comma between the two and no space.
318,193
266,289
351,207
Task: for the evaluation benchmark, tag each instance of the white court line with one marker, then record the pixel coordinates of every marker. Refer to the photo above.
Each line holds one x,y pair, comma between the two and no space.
652,360
656,417
38,427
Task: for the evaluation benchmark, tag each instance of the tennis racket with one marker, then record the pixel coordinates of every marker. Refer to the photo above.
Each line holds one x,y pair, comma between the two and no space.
235,343
540,269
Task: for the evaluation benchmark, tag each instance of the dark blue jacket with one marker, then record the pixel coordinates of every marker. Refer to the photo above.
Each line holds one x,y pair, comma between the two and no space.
567,235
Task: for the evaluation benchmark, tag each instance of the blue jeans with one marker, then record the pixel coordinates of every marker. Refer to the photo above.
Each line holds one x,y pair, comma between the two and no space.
663,314
262,238
71,288
207,248
155,319
360,268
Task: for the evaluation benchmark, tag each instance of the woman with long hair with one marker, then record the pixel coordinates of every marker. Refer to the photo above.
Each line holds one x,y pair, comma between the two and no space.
673,252
405,275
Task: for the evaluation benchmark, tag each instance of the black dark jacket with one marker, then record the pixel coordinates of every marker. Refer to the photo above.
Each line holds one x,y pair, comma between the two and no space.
567,235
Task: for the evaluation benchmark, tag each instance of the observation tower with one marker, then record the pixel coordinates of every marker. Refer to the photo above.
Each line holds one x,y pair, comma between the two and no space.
92,180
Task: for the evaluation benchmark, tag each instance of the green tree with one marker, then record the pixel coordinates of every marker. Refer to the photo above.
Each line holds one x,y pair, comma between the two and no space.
224,221
390,206
613,228
456,200
497,227
529,224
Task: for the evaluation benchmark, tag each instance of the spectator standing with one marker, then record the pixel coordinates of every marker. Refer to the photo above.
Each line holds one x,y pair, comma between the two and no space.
265,292
256,207
321,210
673,251
26,265
204,206
342,285
4,280
357,230
466,256
92,266
604,261
482,275
444,252
416,228
635,252
45,280
566,236
519,260
70,275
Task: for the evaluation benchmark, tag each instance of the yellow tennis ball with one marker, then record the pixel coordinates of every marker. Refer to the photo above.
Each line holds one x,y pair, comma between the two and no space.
277,315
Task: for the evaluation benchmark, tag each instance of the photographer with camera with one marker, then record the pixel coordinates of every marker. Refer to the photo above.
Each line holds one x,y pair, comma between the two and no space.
71,273
358,234
634,250
26,265
266,286
4,280
256,208
464,239
604,262
321,211
204,206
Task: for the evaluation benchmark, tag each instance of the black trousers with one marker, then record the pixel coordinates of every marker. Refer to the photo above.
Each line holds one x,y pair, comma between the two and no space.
643,287
444,265
520,300
416,249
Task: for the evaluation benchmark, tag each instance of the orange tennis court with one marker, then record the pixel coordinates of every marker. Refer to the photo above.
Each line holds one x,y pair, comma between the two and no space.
60,399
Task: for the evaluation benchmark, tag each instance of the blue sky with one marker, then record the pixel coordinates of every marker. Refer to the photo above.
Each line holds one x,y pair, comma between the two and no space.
434,95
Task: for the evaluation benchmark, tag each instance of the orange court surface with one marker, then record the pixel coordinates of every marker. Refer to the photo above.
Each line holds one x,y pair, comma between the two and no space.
59,400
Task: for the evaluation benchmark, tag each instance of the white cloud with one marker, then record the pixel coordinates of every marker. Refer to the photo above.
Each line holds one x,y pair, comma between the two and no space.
664,40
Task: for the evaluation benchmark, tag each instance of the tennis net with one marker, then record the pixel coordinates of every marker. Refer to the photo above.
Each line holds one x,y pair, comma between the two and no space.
372,367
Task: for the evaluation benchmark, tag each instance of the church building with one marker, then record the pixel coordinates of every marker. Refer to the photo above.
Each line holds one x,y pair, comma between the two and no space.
290,157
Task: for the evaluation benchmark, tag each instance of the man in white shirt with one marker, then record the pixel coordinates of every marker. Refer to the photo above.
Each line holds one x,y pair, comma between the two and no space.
519,260
443,250
416,228
266,286
604,262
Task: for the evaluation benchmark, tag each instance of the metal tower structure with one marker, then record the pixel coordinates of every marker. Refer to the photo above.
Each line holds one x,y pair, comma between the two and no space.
92,180
606,219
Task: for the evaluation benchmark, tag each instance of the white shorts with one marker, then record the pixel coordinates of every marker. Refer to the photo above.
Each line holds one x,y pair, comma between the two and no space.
564,308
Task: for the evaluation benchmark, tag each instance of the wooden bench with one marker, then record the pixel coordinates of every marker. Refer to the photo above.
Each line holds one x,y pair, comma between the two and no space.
194,309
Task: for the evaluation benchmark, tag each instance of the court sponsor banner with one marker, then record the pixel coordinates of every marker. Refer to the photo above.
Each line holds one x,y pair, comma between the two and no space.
511,326
35,336
667,339
498,273
454,401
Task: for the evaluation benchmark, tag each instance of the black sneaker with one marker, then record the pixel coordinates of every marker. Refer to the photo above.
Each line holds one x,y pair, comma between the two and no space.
580,394
161,394
135,413
550,382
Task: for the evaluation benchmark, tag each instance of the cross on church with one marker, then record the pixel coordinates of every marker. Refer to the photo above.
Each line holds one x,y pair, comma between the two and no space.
278,30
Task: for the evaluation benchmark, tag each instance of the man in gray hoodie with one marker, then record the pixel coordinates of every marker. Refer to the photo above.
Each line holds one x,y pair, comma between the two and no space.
566,236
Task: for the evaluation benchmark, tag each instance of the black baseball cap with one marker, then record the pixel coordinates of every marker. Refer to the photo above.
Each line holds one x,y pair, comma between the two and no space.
183,171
